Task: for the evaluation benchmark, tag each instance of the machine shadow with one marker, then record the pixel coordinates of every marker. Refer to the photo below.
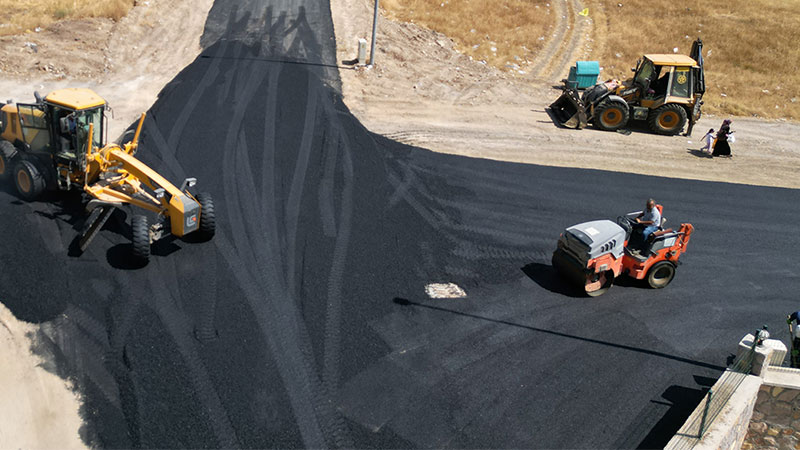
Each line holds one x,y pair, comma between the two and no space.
546,276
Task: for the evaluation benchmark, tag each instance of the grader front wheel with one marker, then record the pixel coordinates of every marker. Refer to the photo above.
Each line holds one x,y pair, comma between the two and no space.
140,238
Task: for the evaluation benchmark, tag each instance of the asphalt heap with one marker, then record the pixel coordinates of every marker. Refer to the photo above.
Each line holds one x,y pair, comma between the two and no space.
305,323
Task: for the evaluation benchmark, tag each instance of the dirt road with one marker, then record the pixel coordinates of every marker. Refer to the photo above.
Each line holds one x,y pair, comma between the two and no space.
424,93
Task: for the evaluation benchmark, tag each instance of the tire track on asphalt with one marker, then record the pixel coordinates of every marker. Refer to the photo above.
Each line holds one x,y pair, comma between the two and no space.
298,183
333,313
278,326
327,204
181,330
189,107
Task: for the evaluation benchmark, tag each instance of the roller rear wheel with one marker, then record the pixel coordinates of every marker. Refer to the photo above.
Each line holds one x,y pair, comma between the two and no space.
660,275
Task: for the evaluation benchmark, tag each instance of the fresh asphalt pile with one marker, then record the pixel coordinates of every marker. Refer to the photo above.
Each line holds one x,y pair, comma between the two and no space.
305,323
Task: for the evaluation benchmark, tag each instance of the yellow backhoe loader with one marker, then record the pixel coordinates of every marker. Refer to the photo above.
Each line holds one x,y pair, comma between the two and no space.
666,91
58,143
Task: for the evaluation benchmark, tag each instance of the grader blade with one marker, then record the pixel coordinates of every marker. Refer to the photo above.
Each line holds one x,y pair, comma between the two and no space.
568,110
94,223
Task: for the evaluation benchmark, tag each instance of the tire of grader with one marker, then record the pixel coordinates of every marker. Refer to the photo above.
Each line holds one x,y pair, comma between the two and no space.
29,180
660,275
140,238
7,154
208,219
611,115
668,119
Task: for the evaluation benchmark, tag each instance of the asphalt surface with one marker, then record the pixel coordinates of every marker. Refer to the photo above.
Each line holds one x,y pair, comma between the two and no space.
304,323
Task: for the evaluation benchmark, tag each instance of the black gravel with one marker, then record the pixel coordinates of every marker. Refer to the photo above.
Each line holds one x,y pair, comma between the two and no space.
304,323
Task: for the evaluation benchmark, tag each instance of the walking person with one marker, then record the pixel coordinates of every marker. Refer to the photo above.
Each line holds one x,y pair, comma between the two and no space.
794,329
708,141
721,146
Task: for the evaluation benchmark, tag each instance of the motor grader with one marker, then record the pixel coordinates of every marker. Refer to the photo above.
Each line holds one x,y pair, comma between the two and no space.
59,143
592,255
666,91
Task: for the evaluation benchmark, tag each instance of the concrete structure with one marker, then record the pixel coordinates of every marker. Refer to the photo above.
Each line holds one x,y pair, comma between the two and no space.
731,426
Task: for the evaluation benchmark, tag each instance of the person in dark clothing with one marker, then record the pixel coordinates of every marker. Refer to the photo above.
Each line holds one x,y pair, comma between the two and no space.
721,146
793,319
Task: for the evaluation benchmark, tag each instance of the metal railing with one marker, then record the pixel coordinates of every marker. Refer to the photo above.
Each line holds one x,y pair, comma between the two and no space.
715,400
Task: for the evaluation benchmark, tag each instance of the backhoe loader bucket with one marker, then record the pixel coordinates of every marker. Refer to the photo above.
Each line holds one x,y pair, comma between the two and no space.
568,110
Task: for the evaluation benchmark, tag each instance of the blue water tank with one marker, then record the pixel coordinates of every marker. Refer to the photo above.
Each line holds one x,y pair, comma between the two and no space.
584,73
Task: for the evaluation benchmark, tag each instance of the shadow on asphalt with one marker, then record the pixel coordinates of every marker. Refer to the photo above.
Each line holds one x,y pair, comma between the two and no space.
406,302
546,276
681,401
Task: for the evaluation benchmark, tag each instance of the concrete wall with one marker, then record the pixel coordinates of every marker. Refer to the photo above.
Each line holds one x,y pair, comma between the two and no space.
733,424
728,430
776,419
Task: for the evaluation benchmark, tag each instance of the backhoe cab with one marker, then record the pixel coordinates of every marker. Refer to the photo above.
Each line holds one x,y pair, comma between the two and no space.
59,143
666,91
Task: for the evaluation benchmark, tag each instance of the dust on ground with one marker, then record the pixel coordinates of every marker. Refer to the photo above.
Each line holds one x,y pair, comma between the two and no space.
127,63
39,409
422,92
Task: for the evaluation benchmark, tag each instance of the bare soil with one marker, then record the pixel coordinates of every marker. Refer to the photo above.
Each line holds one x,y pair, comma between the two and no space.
423,92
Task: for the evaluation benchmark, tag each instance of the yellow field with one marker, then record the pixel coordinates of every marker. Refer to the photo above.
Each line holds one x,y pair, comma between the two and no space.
17,16
506,32
751,46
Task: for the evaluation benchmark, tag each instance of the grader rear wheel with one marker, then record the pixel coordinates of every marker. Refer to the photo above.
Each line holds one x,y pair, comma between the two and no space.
29,180
7,154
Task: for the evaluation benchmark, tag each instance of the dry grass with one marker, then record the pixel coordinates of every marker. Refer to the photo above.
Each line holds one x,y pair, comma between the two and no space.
506,33
18,16
750,46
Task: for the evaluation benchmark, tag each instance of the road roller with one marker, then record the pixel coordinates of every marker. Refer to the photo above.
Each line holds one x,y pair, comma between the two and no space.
592,255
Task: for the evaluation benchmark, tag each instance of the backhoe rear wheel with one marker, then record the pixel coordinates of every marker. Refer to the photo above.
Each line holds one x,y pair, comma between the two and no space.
140,238
208,220
661,274
611,115
7,154
29,180
668,119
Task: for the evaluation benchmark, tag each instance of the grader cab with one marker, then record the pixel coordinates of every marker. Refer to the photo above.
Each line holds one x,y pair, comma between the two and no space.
58,143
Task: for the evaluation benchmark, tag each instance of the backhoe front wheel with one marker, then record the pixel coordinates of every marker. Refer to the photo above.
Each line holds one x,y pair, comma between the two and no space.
611,115
7,154
29,180
208,219
668,119
140,238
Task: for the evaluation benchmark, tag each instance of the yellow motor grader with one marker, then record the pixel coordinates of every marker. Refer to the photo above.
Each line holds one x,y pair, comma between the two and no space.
59,143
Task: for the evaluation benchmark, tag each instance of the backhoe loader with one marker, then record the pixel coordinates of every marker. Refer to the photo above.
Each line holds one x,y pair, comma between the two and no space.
58,143
666,91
